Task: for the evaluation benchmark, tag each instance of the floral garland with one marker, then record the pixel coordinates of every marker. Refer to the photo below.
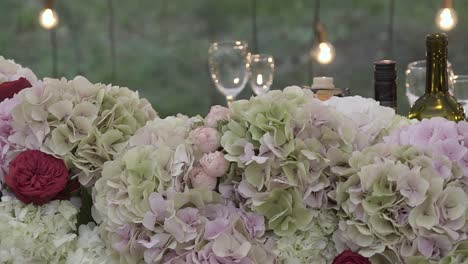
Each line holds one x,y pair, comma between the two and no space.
279,178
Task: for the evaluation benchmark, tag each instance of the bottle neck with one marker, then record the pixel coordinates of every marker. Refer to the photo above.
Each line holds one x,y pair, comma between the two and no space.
436,68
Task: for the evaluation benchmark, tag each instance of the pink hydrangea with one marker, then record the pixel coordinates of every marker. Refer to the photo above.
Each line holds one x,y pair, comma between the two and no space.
6,146
6,107
438,135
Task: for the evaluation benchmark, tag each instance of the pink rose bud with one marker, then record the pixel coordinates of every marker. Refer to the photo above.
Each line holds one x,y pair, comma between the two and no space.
214,164
199,179
205,139
217,113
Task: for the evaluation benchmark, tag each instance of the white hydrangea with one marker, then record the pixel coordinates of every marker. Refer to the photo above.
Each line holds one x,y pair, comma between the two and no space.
36,234
47,234
368,115
90,248
313,246
169,132
11,71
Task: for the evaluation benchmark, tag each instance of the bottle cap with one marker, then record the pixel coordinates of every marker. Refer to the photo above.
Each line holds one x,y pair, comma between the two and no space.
385,64
437,37
385,70
323,83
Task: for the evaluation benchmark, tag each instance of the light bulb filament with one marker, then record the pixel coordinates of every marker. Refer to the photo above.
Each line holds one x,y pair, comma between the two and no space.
325,53
48,18
259,79
446,18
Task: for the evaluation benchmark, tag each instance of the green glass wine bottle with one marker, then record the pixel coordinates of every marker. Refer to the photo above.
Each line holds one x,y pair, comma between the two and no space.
437,101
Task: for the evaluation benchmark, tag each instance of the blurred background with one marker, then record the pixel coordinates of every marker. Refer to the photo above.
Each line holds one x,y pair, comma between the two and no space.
161,46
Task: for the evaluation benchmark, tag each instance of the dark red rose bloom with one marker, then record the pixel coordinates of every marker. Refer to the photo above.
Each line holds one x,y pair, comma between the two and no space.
8,89
349,257
36,177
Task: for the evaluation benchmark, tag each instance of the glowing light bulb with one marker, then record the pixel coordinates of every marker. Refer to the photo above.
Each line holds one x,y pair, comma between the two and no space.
324,53
260,79
446,19
236,80
48,18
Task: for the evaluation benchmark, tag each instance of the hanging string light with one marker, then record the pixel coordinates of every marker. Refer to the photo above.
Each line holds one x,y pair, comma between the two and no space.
391,29
48,18
322,51
446,18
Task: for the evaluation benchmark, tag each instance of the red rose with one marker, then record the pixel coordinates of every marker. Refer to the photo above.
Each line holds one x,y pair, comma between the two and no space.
8,89
36,177
349,257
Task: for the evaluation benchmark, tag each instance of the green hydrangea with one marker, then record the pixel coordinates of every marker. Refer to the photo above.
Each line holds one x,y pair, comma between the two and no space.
285,211
128,181
395,198
85,124
156,159
269,115
285,146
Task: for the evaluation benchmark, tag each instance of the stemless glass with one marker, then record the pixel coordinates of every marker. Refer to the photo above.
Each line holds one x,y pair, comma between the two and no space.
416,80
460,90
228,62
262,69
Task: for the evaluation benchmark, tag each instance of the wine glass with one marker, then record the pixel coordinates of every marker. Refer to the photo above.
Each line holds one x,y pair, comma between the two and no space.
416,80
460,91
262,69
228,62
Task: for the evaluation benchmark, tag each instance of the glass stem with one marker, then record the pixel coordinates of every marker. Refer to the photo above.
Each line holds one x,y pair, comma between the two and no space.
229,100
